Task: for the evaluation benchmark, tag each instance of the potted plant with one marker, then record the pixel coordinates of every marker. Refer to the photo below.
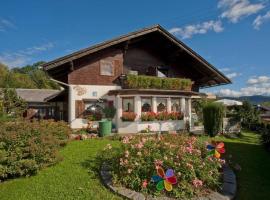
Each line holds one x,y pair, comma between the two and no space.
109,112
105,126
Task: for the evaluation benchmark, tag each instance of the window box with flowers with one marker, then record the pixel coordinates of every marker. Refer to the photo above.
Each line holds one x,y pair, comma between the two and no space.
162,116
128,116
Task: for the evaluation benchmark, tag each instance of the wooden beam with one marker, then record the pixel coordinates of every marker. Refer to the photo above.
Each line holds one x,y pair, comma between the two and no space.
71,65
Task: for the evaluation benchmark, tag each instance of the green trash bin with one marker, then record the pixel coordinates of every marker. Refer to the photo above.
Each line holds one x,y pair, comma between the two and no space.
105,128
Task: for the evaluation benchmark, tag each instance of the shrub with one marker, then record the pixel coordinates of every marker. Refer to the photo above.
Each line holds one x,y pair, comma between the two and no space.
156,83
152,82
94,116
265,136
212,118
28,146
143,82
248,115
109,112
134,163
128,116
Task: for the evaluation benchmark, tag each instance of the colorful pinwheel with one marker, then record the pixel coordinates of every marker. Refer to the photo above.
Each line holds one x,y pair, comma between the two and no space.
215,149
164,179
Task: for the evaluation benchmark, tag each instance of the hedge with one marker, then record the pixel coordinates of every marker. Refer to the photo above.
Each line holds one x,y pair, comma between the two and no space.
213,114
151,82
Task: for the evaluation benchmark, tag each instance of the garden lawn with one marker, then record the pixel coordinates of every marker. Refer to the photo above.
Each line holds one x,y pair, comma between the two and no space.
254,178
69,179
72,179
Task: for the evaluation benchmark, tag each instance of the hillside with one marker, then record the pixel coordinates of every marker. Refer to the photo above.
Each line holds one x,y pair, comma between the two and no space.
30,77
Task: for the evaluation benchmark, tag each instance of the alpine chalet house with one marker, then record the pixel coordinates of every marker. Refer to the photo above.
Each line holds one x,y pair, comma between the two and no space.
149,76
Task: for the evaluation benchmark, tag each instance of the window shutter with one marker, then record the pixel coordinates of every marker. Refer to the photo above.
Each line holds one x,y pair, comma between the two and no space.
110,103
79,108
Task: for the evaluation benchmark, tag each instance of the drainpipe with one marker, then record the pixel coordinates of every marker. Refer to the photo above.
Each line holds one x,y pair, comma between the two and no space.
70,100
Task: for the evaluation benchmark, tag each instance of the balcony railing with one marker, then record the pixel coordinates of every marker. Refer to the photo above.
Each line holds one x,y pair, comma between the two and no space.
151,82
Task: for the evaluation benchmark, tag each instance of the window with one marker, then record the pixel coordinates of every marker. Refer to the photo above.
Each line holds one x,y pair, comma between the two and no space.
146,104
128,104
176,106
106,68
161,104
93,106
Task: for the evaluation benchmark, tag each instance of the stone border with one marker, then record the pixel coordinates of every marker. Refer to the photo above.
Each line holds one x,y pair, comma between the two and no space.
228,191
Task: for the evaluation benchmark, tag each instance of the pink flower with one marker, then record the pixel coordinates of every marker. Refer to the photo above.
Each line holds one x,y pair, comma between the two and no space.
144,140
126,153
190,166
122,162
222,161
158,163
197,183
144,184
125,140
189,149
139,145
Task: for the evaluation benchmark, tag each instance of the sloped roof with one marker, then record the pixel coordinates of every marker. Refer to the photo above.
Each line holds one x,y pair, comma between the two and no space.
37,95
124,38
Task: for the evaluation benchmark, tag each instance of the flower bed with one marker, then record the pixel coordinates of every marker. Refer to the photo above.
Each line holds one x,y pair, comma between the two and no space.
162,116
136,161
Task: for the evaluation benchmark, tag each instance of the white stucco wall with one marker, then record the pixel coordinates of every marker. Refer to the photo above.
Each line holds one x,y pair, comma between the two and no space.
84,92
80,92
138,126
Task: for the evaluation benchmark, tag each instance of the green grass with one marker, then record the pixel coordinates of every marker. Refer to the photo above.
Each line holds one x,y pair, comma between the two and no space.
69,179
254,178
73,178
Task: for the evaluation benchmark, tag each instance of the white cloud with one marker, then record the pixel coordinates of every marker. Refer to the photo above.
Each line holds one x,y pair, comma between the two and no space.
228,93
201,28
22,57
260,19
259,85
234,10
233,75
258,80
5,24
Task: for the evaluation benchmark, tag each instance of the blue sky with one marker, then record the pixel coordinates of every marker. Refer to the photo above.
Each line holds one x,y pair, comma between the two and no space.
233,35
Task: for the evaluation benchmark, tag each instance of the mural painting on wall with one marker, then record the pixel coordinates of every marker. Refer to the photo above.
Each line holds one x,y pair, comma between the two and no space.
80,90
